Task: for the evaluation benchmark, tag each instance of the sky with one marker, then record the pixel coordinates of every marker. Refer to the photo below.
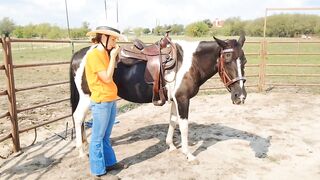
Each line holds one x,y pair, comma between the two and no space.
141,13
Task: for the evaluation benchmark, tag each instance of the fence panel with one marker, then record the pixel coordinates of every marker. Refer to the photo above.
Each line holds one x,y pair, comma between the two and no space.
5,125
32,73
292,63
6,47
268,63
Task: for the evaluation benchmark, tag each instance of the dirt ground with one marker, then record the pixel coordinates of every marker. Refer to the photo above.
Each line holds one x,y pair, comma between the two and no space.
273,136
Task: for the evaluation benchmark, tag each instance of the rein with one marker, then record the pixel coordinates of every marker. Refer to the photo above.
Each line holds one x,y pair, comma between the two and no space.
225,78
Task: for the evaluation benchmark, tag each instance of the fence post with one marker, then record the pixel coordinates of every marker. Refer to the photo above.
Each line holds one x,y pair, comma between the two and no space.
262,71
72,46
11,92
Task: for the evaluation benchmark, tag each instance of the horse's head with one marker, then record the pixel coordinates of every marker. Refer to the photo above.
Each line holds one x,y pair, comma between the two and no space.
231,68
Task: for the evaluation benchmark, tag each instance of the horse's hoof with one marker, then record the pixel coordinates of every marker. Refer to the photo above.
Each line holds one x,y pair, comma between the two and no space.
172,148
82,155
192,143
192,159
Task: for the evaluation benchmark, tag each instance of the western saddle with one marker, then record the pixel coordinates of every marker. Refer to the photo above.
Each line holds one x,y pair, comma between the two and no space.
160,59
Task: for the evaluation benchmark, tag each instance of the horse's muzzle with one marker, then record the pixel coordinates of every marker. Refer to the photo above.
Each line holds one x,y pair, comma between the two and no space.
240,100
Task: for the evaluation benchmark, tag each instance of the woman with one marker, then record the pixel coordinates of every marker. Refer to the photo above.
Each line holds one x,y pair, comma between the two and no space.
99,69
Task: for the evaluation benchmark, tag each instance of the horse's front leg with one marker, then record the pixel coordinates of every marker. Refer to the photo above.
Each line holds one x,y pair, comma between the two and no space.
183,111
172,125
183,124
79,116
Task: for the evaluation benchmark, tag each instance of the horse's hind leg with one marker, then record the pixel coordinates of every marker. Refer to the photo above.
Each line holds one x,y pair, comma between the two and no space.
172,126
79,116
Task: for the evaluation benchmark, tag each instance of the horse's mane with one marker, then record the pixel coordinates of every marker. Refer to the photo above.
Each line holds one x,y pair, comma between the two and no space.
179,55
206,47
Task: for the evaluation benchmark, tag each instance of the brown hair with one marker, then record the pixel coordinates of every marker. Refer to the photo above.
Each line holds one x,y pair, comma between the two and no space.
97,38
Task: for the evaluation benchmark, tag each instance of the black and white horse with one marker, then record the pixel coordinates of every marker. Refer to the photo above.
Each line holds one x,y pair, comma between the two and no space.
197,62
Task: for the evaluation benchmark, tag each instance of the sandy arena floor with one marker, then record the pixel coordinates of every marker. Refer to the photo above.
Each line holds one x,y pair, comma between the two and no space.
272,136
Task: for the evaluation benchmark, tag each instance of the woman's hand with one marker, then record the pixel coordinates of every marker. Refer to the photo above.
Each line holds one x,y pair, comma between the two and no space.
115,51
107,76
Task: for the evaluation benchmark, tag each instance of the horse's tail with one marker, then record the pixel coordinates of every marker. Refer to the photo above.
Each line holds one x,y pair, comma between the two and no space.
74,94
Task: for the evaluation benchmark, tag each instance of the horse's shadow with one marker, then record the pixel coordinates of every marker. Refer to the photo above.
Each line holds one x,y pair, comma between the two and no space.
208,134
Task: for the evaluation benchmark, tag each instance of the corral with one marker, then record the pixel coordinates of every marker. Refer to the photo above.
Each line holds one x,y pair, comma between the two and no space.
281,125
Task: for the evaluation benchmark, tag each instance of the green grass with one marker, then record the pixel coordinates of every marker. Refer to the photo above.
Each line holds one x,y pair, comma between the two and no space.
24,53
293,59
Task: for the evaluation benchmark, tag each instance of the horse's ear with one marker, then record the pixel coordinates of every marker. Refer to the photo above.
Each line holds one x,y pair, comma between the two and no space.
221,43
241,40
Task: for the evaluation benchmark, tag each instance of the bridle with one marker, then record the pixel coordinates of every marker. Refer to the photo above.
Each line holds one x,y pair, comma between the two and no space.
225,78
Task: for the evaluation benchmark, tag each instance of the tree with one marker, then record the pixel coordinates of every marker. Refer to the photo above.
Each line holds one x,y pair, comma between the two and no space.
78,33
138,31
29,31
208,22
197,29
157,30
85,25
177,29
233,26
18,32
255,27
55,33
146,31
42,30
6,26
291,25
317,28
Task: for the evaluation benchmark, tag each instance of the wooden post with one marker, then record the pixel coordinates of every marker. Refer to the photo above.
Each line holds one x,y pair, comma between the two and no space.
262,65
11,93
263,54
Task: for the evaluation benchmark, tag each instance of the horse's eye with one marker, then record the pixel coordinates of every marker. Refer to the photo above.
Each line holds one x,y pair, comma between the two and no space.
228,55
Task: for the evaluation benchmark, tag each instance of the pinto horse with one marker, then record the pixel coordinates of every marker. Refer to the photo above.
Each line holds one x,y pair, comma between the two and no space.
196,63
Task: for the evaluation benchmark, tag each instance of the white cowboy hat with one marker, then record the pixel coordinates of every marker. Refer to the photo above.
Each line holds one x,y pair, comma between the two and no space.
105,30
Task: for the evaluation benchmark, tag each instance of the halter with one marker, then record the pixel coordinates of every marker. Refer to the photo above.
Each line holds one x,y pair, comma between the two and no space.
225,78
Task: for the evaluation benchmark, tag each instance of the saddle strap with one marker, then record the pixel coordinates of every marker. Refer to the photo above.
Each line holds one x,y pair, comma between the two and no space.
159,96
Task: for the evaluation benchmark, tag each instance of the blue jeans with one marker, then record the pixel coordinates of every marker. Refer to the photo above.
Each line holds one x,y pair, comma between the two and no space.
101,153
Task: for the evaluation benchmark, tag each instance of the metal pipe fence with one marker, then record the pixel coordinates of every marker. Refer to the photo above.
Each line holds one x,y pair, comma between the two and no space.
258,73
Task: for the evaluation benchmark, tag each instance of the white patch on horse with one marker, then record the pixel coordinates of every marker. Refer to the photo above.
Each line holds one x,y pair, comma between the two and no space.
241,83
170,77
188,49
80,71
172,126
239,72
83,105
183,124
